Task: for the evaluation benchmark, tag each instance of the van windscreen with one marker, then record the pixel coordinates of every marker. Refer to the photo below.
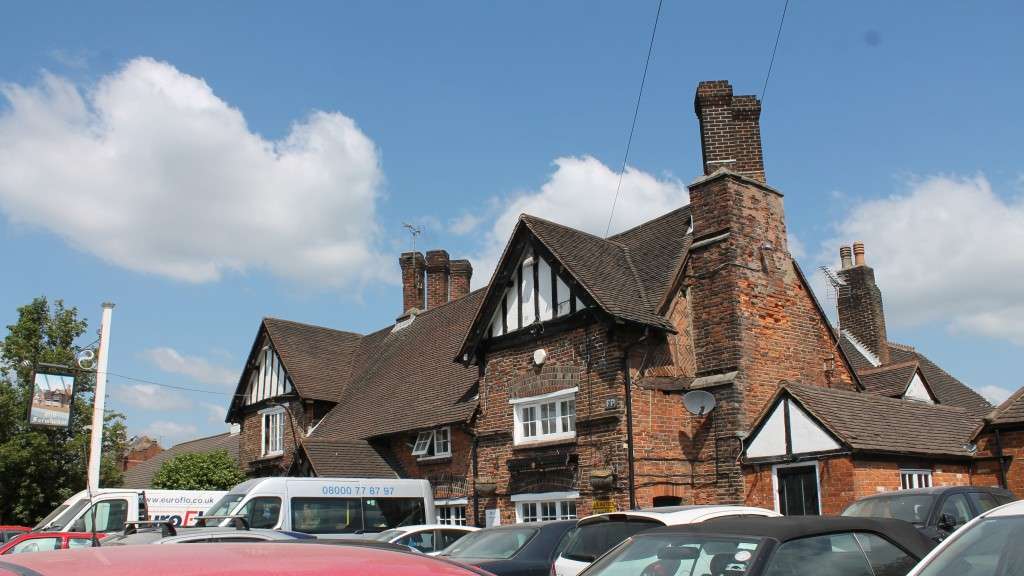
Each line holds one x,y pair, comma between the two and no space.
225,505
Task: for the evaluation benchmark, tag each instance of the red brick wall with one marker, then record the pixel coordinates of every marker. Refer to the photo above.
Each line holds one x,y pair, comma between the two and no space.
251,438
986,472
437,278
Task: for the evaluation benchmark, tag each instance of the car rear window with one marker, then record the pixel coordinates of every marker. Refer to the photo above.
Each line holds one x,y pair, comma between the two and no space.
592,540
491,544
913,508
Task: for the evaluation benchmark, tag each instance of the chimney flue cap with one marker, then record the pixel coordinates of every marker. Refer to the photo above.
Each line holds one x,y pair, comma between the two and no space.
858,253
846,256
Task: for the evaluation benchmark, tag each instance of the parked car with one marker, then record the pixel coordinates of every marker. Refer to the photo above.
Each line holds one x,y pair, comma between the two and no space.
595,535
45,541
990,545
234,560
527,549
788,546
7,533
427,538
937,512
169,534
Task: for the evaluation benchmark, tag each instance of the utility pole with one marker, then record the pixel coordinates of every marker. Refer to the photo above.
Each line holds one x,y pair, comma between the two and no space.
96,440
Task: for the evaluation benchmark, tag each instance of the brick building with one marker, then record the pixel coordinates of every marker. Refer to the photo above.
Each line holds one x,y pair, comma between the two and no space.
557,390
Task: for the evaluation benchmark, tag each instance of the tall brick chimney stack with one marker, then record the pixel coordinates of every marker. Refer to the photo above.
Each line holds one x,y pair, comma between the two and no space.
413,265
462,273
860,305
437,278
730,130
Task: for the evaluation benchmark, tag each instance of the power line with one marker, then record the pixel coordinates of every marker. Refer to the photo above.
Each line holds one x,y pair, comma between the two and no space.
172,386
778,35
636,112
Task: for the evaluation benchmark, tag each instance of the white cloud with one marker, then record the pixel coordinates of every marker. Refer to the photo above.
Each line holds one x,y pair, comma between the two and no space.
152,171
170,433
579,194
215,413
796,246
949,250
995,394
195,367
464,224
150,397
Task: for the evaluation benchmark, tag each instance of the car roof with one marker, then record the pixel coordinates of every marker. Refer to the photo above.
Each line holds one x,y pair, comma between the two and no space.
231,559
433,527
1011,509
671,515
787,528
937,491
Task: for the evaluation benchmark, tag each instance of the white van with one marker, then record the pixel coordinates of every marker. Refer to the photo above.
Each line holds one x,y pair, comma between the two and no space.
328,507
115,506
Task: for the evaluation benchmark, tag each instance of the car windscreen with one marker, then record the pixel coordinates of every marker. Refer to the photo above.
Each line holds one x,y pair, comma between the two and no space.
989,548
491,544
50,517
594,539
679,555
913,508
225,505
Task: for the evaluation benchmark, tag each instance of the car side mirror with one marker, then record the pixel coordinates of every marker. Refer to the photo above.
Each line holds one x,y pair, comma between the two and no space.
947,522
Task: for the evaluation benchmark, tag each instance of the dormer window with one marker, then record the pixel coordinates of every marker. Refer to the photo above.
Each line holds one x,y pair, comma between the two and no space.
436,443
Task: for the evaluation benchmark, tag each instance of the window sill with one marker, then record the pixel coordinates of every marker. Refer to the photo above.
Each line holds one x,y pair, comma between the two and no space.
434,459
544,443
271,456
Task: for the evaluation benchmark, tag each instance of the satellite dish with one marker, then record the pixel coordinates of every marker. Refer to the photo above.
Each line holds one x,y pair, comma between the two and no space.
699,402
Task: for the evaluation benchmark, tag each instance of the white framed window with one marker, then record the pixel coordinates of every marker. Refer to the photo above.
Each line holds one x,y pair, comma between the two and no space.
547,417
910,479
545,506
272,431
452,515
436,443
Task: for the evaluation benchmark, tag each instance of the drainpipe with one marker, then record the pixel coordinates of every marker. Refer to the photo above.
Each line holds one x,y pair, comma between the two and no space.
476,497
629,420
999,455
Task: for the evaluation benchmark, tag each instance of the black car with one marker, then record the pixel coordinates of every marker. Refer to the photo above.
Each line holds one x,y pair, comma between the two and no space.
790,546
527,549
936,512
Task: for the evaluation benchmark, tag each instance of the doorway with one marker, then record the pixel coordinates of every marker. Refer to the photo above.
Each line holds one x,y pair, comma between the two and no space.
797,490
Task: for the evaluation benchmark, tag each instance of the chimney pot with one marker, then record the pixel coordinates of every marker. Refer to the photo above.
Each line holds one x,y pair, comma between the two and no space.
437,278
846,256
858,253
462,273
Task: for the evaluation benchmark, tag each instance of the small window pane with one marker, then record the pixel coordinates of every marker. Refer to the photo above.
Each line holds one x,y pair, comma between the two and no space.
442,442
568,408
529,511
568,509
529,418
547,418
423,443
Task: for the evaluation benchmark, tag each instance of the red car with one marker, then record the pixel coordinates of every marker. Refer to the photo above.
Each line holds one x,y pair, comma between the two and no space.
44,541
8,533
252,559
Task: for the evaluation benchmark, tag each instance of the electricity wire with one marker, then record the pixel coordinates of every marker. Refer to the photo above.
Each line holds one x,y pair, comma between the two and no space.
771,63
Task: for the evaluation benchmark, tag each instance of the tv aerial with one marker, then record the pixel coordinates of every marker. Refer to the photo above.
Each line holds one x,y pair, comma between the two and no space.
414,231
699,402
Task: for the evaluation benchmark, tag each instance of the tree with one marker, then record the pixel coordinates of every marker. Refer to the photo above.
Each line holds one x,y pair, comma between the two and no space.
215,470
40,468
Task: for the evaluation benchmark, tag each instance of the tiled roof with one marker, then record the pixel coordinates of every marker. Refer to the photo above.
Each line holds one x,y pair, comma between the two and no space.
406,380
889,380
607,270
141,475
657,249
871,423
947,390
1009,412
347,459
318,359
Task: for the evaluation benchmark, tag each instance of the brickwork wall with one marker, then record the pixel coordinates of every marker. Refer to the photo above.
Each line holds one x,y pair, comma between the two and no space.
462,274
413,266
860,310
986,472
448,475
596,357
251,438
437,278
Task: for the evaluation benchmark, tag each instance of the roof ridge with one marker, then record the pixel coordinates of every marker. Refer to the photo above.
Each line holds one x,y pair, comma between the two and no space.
850,393
308,325
1012,399
651,221
526,216
862,348
194,440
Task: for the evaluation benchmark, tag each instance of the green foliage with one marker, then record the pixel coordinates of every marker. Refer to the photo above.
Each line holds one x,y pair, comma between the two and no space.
199,471
40,468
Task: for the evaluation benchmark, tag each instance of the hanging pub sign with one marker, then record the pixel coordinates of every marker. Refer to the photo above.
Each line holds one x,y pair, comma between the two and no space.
53,393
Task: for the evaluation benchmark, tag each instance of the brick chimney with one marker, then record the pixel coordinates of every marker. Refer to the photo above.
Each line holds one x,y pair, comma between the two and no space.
860,304
413,265
730,130
437,278
462,273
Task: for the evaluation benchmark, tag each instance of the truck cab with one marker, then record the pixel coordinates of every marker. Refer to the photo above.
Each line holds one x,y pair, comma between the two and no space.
107,511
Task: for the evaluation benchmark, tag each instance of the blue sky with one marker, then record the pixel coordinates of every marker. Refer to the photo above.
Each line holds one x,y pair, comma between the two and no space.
232,198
